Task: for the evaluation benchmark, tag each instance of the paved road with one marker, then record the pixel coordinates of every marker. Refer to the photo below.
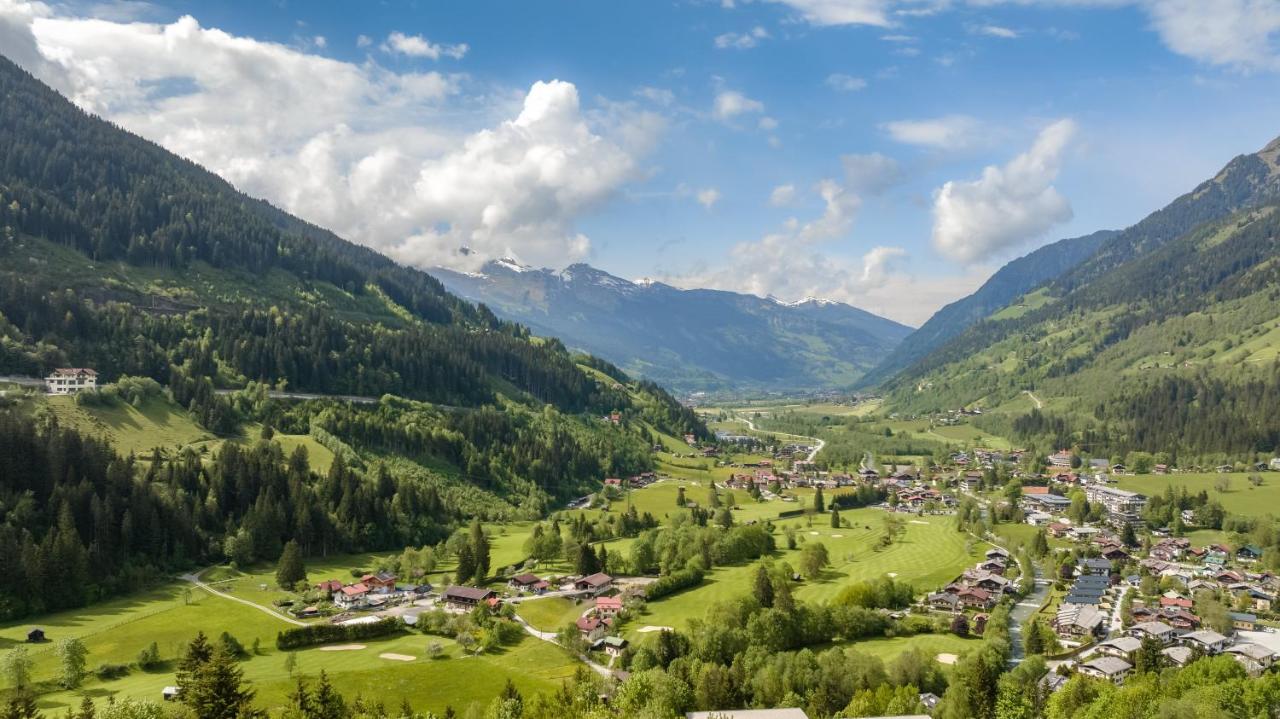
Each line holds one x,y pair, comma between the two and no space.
195,579
273,394
818,443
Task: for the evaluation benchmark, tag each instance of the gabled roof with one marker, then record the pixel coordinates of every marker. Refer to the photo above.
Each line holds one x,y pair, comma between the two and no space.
1109,666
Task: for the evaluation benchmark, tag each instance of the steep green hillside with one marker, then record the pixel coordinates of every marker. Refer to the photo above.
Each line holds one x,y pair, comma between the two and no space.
1172,351
1004,287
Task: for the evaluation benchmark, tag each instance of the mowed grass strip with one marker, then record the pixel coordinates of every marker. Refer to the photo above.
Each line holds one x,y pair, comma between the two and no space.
550,614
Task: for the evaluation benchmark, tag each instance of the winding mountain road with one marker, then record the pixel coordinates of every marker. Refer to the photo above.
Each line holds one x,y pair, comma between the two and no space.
817,442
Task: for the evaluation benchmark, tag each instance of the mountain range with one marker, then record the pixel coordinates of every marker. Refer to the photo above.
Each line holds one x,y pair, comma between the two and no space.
686,339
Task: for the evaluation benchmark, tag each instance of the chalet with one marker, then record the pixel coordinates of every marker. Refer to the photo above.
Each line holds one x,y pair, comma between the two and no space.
523,582
35,635
380,583
1243,622
1159,631
1112,669
614,482
1173,599
1058,530
590,624
971,481
608,606
169,693
1177,656
594,584
1207,640
1179,619
352,595
944,601
976,598
1224,469
611,645
1255,658
467,597
69,380
1274,464
1061,458
1160,469
1098,566
1120,647
1249,553
329,586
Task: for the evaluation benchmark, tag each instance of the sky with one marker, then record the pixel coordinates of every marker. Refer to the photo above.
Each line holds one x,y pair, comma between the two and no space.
891,154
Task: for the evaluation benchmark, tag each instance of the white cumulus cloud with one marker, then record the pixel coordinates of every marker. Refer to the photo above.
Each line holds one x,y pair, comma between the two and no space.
782,195
731,103
708,197
378,156
1008,205
419,46
951,132
743,40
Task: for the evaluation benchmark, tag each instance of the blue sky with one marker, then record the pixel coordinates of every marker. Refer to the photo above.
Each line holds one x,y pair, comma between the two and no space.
787,147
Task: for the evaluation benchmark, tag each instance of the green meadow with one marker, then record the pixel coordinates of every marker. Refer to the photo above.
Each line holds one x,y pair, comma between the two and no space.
1240,498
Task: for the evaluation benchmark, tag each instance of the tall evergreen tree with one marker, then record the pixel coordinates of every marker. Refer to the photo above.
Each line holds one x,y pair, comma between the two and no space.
479,552
763,586
290,569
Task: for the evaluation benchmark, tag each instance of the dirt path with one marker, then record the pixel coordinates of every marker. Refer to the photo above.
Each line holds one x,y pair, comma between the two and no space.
1039,404
596,667
195,579
818,443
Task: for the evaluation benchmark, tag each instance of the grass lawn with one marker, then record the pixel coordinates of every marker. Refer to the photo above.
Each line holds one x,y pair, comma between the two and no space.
552,613
1241,498
932,644
930,554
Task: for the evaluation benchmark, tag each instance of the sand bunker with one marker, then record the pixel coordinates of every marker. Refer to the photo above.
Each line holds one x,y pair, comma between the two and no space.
893,574
947,658
396,657
343,648
652,628
918,521
837,536
814,533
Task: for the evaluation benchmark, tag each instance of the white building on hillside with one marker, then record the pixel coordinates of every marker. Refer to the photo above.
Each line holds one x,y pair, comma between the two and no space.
69,380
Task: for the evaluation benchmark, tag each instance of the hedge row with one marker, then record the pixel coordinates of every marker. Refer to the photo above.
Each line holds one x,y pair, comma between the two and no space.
674,582
314,634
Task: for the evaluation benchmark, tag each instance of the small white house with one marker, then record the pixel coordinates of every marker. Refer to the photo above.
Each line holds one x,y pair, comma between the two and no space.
69,380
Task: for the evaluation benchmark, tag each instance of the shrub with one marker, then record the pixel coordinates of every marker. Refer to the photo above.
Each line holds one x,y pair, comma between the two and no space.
314,634
106,672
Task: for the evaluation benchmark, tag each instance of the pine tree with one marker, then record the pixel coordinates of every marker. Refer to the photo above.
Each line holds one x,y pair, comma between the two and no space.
763,586
466,564
217,689
680,499
479,552
819,505
588,563
198,653
290,570
835,518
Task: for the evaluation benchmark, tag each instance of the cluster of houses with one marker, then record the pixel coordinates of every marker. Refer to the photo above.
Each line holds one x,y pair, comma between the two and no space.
372,591
1113,659
978,588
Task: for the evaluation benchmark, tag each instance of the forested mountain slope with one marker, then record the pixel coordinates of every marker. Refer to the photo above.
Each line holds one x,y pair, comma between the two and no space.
1006,285
117,255
689,339
1166,340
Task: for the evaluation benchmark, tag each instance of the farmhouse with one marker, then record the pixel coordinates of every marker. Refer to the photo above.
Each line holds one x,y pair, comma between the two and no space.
467,597
380,583
608,606
351,595
594,584
523,582
69,380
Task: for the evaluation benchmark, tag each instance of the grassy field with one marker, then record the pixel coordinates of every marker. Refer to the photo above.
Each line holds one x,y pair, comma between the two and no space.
932,644
929,554
1241,498
160,423
551,613
115,631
